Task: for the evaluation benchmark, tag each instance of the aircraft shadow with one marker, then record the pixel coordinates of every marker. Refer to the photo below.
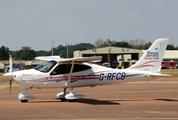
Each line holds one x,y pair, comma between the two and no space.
83,100
51,101
97,102
170,100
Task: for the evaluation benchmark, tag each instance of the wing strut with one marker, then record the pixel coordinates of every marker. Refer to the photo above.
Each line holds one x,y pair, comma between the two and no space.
71,70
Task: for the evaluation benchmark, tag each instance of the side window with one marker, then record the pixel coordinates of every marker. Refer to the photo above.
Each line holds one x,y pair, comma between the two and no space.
65,69
78,68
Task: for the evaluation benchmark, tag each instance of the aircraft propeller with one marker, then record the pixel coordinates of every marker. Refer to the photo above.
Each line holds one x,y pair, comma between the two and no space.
10,74
10,86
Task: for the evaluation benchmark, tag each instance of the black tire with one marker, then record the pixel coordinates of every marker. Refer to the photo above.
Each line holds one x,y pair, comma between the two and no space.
72,100
24,101
63,99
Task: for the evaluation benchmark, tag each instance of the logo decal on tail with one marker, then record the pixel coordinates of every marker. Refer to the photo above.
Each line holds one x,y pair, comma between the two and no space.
152,55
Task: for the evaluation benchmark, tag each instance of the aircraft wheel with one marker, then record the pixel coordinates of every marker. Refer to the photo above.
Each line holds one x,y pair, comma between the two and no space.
24,101
72,100
63,99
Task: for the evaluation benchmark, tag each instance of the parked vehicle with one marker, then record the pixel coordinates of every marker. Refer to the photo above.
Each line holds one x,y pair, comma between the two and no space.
126,64
132,62
114,64
163,65
106,64
171,64
7,67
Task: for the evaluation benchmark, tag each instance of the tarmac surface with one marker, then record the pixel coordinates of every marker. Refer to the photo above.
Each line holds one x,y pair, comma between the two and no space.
154,99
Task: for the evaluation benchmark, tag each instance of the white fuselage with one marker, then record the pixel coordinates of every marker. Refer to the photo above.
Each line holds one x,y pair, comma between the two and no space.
97,75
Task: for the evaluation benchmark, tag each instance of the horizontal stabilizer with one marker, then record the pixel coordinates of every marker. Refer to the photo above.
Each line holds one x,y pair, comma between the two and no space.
159,75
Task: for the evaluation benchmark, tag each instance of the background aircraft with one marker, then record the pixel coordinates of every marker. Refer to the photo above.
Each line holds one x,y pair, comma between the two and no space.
80,72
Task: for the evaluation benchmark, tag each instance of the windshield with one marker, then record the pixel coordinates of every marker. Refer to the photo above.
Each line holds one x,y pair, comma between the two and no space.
46,67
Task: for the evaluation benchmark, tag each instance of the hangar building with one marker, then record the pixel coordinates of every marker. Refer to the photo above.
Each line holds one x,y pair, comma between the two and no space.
110,54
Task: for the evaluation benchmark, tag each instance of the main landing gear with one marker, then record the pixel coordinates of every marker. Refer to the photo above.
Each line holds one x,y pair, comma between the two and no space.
71,97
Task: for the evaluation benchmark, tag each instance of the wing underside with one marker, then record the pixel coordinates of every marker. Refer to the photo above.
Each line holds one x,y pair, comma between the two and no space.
68,60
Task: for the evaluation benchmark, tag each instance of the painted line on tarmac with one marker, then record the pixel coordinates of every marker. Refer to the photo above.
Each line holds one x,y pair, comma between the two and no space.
136,118
154,82
138,91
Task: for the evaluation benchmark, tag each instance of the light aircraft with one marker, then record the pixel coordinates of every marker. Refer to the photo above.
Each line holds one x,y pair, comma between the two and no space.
80,72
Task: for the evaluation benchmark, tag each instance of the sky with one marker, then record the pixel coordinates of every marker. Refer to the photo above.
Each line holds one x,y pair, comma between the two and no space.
36,23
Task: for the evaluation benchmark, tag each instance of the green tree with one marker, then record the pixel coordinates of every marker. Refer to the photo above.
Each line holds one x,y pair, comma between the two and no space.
82,48
4,53
26,53
176,48
144,47
109,42
170,47
122,44
13,53
64,55
62,50
147,45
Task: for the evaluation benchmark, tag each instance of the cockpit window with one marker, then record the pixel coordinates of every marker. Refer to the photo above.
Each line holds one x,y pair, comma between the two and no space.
46,67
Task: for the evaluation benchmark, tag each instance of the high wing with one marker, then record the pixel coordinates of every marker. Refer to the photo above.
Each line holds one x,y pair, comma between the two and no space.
48,58
64,60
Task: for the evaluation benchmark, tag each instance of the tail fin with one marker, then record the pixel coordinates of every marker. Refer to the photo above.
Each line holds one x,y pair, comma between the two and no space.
152,58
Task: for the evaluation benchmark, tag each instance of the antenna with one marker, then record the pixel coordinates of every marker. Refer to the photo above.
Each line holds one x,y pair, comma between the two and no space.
52,47
67,49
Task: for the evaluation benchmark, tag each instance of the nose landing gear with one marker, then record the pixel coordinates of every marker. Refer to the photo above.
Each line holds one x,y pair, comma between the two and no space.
25,97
